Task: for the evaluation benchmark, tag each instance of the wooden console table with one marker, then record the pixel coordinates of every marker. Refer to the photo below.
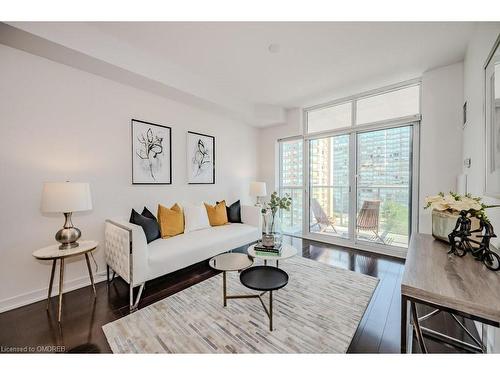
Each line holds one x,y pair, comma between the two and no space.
459,286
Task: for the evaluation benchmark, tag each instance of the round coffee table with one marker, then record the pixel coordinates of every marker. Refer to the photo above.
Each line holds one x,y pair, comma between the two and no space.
264,279
229,262
287,251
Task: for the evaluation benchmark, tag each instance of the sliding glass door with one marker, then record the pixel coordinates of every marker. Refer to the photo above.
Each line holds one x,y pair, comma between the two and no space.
360,187
383,186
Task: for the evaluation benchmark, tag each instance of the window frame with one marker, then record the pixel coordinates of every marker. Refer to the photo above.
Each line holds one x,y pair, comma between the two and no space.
390,250
354,129
353,99
349,102
279,184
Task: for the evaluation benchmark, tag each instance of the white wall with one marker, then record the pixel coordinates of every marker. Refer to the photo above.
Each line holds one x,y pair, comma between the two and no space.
473,138
440,135
268,147
59,123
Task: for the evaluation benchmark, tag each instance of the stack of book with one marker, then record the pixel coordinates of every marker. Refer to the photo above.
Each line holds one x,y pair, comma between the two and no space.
266,250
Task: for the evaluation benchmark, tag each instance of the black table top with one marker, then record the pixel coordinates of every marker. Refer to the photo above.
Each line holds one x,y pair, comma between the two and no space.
264,278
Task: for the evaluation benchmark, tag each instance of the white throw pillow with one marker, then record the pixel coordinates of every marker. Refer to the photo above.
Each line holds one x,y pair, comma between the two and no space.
195,218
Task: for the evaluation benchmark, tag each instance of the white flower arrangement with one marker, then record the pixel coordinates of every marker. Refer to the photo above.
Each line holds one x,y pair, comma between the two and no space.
454,203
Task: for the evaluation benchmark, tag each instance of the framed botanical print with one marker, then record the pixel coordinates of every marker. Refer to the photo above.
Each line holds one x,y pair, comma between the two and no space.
200,158
151,153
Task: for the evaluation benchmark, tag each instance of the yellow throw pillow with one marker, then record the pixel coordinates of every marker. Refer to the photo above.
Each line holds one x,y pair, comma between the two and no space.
171,220
217,215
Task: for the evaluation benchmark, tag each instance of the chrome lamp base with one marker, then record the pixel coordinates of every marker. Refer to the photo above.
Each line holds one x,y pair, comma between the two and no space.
68,235
258,203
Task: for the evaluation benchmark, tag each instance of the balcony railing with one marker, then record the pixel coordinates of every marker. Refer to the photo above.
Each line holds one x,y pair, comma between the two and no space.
393,209
292,220
394,206
374,190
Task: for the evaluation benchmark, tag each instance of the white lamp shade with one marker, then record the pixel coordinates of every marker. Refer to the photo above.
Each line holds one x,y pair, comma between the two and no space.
66,197
258,189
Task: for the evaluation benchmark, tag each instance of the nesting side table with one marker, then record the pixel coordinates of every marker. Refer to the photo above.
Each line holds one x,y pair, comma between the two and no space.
53,253
287,251
228,262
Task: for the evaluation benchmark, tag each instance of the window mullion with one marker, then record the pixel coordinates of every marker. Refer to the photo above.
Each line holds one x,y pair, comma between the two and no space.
354,110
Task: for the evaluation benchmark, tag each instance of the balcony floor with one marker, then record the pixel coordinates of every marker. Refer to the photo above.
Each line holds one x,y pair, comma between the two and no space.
384,238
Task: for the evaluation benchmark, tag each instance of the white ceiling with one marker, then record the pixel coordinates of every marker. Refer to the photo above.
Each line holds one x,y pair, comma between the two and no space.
314,57
229,66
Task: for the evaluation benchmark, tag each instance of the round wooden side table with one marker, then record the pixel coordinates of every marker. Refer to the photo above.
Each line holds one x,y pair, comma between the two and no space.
54,253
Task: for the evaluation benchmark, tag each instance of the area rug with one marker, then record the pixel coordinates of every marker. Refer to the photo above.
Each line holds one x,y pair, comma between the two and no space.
317,312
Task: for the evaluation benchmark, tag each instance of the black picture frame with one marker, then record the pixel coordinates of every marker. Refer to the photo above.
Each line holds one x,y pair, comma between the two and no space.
213,174
136,122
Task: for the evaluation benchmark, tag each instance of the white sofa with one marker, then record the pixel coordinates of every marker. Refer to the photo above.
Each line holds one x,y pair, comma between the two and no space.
136,261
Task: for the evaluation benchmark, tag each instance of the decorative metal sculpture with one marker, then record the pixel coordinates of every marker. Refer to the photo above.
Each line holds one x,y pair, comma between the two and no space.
461,243
461,231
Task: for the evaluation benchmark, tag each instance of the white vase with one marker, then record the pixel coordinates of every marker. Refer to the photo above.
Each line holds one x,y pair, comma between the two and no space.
443,223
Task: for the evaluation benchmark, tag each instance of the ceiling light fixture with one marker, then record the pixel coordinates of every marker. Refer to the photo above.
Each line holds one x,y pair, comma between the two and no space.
274,48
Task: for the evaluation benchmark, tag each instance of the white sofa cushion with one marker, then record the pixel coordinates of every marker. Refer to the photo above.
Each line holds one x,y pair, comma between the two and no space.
199,245
171,254
195,218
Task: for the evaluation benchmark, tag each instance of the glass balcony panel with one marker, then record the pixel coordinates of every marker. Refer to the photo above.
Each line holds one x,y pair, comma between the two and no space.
291,221
329,186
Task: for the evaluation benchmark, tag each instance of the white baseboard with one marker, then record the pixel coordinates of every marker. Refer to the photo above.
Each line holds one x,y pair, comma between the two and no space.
41,294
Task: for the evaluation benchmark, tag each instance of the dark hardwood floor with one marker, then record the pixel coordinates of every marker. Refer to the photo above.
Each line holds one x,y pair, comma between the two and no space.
36,329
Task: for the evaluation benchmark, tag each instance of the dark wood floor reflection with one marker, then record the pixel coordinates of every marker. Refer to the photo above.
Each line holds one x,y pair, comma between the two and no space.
83,316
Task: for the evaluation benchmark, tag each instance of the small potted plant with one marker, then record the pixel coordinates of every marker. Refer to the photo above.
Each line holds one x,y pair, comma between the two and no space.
446,209
273,235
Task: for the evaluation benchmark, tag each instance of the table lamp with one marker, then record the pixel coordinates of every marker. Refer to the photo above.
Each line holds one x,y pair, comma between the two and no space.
258,190
66,198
